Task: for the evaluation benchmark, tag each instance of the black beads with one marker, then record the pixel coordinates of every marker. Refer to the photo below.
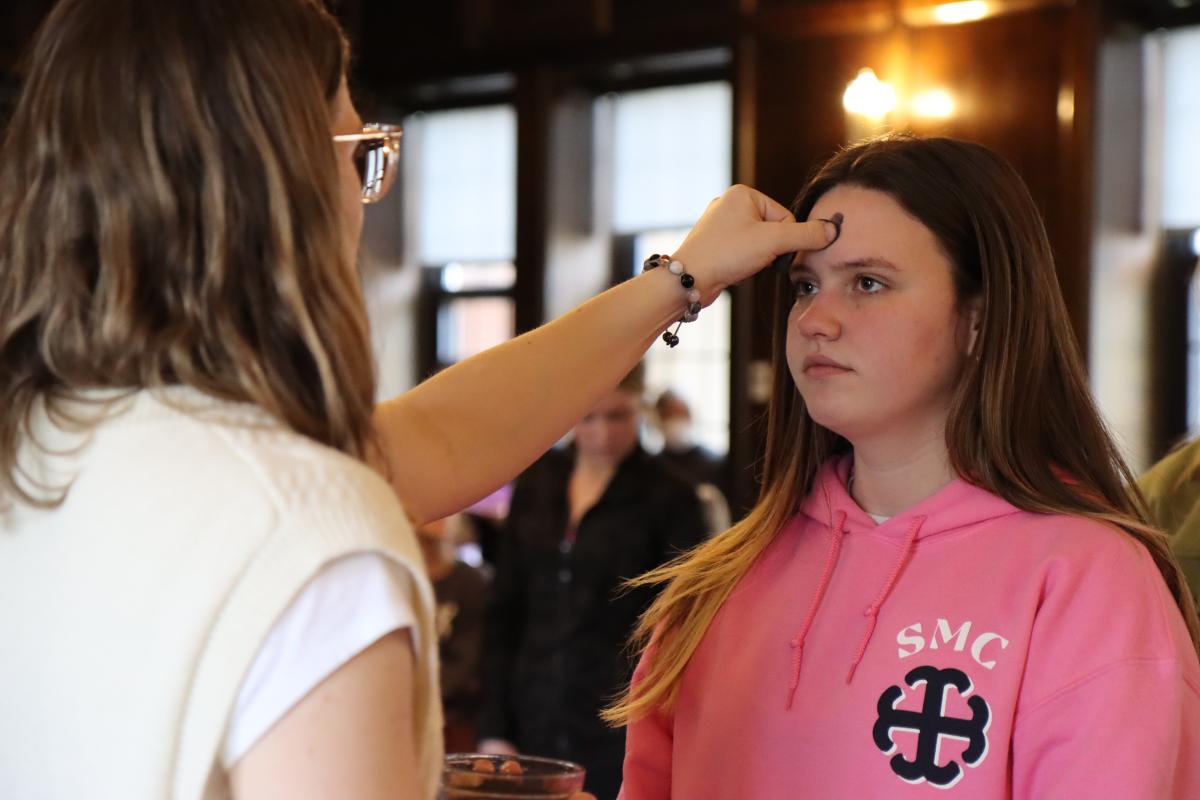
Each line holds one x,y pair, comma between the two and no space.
692,309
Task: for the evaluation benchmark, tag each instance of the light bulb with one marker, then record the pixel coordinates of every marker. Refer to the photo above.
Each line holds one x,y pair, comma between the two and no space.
966,11
869,96
934,103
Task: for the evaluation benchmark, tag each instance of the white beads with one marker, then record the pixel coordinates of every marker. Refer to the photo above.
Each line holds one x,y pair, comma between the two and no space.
694,296
676,267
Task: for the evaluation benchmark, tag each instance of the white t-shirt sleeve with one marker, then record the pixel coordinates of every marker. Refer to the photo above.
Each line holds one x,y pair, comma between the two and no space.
350,604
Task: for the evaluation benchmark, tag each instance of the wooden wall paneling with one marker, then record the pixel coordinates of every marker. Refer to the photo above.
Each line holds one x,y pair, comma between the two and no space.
669,19
788,119
1008,73
525,22
1073,216
388,36
799,19
1023,87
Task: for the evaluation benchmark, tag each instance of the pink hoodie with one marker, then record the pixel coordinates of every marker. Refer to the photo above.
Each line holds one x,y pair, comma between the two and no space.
963,648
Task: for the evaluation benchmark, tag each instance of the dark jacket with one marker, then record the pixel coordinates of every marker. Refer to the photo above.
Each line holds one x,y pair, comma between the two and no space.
557,628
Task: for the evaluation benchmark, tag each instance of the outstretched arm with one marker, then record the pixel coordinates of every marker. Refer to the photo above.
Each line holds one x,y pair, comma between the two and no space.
467,430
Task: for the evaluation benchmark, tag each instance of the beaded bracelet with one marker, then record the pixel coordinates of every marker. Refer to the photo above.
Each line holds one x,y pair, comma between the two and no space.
692,312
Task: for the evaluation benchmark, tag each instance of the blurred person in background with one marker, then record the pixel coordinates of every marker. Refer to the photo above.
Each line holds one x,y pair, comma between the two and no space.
680,448
1172,491
460,593
583,519
683,454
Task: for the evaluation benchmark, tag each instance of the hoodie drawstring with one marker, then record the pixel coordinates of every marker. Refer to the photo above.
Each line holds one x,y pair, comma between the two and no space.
835,547
872,612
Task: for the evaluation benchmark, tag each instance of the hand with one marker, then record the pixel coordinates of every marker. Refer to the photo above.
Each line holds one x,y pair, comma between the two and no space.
498,747
741,232
582,796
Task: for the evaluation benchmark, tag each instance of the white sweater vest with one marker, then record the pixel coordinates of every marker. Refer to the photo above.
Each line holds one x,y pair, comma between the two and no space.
130,613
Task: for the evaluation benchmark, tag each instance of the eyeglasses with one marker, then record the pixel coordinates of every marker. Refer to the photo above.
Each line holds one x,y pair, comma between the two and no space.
376,157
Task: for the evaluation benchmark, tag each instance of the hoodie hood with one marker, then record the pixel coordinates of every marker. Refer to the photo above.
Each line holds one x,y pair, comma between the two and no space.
955,506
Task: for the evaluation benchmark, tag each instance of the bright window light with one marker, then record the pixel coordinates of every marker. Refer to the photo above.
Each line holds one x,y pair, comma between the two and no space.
672,151
465,177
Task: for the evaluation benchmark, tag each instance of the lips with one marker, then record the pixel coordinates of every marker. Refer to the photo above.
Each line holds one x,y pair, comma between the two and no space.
823,367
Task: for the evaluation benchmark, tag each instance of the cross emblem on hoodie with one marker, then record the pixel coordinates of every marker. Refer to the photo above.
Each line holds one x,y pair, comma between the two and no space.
932,725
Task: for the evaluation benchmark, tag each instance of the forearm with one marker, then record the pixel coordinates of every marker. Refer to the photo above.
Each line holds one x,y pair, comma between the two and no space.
466,431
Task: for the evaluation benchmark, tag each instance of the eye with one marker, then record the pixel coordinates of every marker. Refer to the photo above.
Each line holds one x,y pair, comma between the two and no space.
865,283
803,288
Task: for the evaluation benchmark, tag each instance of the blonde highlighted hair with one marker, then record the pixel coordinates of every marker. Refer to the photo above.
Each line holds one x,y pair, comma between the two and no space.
1022,416
169,214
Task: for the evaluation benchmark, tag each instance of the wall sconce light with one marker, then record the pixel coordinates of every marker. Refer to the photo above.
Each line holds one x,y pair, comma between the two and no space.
934,104
965,11
869,97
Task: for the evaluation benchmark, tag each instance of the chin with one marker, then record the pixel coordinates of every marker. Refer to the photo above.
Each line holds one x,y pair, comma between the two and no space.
832,421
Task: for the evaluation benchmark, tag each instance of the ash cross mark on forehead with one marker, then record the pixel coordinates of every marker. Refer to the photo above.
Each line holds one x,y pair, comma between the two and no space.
783,263
836,219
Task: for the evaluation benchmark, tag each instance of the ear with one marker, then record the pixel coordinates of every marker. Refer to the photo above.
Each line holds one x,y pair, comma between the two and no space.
972,321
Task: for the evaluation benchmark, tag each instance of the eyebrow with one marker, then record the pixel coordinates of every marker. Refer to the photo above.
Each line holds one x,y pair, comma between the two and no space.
871,262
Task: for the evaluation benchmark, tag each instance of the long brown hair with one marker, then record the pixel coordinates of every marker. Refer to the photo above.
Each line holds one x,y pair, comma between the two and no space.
1022,424
169,215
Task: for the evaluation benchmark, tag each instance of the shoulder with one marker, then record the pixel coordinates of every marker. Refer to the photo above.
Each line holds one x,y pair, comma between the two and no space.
1080,551
1170,476
1100,586
1171,488
237,453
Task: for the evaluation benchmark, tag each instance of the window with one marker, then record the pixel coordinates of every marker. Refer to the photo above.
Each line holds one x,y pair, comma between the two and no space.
1181,110
462,189
671,156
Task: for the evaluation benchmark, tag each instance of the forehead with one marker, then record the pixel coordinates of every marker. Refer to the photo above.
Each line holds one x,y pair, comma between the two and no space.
874,226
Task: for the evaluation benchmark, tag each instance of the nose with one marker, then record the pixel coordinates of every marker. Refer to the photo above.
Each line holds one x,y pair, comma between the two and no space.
818,317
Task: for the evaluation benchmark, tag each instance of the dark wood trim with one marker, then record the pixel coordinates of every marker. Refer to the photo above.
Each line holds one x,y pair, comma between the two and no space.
817,20
622,257
1073,210
675,68
743,432
534,96
1171,289
428,294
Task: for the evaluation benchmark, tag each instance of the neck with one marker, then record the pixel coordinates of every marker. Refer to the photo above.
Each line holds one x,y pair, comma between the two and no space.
890,477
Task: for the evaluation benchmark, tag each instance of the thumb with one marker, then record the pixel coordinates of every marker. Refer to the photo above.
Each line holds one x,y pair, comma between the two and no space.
790,237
